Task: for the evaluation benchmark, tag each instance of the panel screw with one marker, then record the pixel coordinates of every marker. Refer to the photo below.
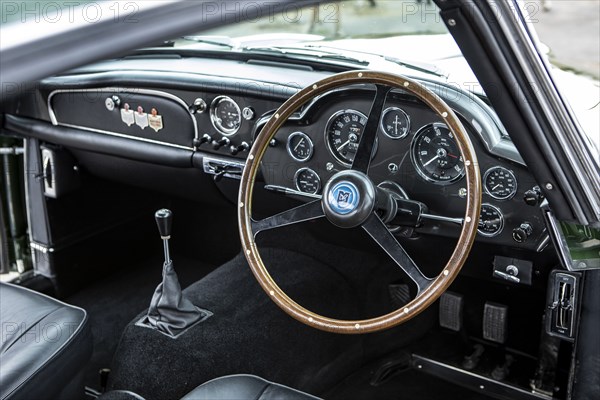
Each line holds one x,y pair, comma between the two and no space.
549,186
329,166
393,168
452,22
462,193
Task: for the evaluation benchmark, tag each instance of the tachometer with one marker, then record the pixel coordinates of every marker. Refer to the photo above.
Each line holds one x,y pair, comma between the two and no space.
491,221
436,156
343,133
307,181
225,115
500,183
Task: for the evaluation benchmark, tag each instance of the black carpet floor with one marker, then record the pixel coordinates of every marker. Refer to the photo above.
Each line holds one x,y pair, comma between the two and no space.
113,302
249,334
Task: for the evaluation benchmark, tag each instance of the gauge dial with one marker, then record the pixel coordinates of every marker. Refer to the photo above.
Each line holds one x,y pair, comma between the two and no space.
395,123
491,221
307,181
299,146
343,133
436,156
225,115
500,183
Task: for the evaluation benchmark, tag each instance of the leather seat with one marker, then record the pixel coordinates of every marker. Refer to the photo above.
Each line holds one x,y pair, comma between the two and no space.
243,387
232,387
44,345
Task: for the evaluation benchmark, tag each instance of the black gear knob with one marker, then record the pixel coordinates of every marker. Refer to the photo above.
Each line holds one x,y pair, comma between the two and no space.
164,220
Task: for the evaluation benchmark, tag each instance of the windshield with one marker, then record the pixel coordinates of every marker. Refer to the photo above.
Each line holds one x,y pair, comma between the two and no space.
413,33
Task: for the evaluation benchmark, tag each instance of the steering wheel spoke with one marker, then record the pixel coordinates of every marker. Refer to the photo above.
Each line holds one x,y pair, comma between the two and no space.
305,212
362,159
386,240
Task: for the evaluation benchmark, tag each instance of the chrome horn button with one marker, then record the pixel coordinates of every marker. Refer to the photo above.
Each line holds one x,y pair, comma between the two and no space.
348,199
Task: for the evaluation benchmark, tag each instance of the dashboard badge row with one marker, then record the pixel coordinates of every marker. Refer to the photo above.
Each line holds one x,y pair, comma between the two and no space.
141,119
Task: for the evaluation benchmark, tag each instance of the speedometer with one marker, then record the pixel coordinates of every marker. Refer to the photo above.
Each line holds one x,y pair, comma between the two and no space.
436,156
500,183
343,133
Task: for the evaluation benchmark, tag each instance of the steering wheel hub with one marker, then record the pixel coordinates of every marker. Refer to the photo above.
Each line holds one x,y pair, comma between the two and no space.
348,199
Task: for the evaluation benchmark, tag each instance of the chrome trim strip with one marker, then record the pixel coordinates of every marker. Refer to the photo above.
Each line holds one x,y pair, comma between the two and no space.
428,365
41,247
569,135
151,92
26,174
125,136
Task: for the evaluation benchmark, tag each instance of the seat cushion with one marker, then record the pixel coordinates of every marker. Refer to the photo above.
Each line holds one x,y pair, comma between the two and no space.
44,344
244,387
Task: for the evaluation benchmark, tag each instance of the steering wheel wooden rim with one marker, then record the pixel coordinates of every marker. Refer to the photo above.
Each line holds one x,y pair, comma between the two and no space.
436,286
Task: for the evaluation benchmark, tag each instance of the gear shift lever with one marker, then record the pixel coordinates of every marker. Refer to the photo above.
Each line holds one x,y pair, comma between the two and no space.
164,220
170,312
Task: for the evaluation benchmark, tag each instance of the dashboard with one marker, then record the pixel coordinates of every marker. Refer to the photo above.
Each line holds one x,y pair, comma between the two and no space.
209,122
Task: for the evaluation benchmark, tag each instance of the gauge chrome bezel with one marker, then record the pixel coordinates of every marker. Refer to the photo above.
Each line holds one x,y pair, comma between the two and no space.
214,119
326,133
291,152
499,231
416,164
487,190
382,125
311,170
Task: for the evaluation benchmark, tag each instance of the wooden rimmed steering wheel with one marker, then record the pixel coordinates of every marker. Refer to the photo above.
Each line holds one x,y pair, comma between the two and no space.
350,199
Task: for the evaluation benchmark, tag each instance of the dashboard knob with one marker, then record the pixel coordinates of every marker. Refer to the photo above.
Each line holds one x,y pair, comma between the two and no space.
236,149
112,102
533,197
521,233
198,107
217,144
204,139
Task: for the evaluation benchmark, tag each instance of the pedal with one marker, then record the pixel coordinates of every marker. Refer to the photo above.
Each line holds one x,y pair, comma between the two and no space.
399,294
495,322
451,309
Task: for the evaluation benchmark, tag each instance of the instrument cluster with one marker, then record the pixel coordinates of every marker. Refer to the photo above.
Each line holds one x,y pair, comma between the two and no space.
414,150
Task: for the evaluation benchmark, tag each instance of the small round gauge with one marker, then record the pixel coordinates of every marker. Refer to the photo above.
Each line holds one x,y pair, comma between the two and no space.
343,133
225,115
436,156
395,123
299,146
307,181
491,221
500,183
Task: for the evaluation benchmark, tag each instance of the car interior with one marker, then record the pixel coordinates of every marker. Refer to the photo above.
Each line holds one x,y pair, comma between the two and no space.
203,224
